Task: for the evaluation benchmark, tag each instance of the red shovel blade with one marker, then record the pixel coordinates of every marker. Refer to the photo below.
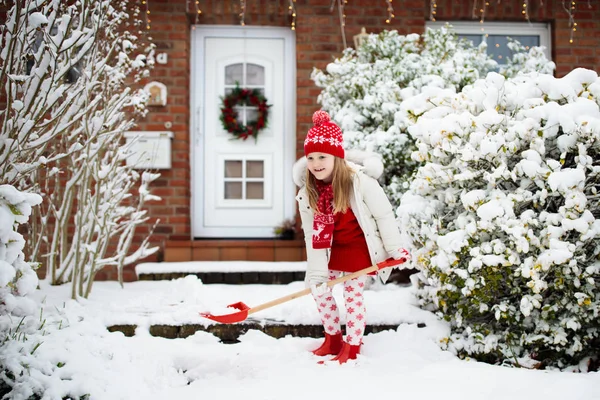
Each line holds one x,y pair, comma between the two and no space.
230,318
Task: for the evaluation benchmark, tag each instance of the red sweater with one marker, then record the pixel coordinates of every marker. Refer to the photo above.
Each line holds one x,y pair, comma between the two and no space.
349,251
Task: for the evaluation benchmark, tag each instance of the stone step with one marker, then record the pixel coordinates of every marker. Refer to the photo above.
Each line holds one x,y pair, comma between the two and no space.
231,278
257,277
230,333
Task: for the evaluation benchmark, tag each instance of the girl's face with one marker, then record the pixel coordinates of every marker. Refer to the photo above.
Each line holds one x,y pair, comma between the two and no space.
321,166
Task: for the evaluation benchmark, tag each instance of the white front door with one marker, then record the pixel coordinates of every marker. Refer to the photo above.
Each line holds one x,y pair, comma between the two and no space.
242,188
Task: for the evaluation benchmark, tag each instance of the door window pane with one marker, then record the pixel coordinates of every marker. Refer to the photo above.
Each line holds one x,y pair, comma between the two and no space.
255,75
233,169
251,115
243,179
234,73
255,169
233,190
254,190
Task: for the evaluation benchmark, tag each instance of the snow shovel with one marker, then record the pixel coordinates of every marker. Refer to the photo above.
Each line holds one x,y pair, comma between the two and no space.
245,311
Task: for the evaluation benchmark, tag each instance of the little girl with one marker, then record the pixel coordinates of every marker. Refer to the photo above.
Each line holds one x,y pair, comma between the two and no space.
348,225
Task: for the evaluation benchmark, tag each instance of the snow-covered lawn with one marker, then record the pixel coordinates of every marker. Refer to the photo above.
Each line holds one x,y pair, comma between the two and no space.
405,363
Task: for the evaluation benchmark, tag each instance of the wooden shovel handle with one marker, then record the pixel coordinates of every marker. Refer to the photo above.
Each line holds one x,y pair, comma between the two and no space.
385,264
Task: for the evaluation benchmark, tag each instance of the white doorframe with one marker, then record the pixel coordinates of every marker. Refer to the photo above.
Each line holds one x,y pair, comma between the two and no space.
199,34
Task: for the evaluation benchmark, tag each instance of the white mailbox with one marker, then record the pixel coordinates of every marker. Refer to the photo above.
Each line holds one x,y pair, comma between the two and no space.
149,150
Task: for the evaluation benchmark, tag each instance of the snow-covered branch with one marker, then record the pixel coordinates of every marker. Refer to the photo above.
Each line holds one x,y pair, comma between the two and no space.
66,69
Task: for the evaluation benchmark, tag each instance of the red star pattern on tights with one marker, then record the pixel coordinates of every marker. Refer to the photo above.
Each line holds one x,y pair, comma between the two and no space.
355,311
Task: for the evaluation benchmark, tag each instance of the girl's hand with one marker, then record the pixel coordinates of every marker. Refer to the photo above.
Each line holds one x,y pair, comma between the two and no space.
319,289
401,254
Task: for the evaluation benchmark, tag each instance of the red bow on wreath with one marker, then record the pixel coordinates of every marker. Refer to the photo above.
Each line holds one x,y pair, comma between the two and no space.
229,115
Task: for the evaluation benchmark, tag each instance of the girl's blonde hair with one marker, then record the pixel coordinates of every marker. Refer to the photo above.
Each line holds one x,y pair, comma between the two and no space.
342,186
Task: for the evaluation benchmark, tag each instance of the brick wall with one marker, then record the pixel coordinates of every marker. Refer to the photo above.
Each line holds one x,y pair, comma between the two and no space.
318,42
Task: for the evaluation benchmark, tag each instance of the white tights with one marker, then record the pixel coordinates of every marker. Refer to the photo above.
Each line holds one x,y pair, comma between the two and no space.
355,309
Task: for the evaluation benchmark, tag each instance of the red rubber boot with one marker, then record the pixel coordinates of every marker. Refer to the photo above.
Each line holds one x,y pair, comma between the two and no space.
331,346
348,352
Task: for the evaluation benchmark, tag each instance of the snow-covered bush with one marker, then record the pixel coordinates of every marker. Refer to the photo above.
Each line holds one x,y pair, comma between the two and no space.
364,88
66,69
17,277
18,281
503,215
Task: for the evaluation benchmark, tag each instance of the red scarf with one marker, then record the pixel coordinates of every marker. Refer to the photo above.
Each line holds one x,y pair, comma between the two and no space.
323,220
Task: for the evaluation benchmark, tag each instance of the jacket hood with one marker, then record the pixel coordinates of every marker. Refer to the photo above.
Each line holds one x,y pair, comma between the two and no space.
364,161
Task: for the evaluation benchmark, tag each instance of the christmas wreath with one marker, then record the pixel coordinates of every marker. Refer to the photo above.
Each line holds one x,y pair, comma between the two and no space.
229,115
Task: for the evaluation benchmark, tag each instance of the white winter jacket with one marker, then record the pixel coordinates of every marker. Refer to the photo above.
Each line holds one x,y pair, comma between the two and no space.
370,206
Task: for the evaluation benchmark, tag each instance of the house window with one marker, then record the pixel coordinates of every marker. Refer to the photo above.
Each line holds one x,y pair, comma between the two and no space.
496,35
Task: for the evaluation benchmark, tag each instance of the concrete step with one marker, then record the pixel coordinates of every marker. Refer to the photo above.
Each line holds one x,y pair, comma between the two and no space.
230,333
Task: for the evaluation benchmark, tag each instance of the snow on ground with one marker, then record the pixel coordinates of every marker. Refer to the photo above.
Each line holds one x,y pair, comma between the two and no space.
405,363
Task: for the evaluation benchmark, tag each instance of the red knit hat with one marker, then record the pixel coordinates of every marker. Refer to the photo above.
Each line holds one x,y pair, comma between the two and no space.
324,137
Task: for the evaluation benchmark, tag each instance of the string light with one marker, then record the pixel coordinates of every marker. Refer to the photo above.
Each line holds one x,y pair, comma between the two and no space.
197,11
483,10
341,5
342,18
525,10
571,12
146,14
292,12
243,12
390,10
432,9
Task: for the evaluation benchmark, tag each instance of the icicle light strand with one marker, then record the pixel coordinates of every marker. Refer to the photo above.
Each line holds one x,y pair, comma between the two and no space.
242,12
292,11
432,9
483,9
197,11
525,10
390,10
571,12
146,14
342,20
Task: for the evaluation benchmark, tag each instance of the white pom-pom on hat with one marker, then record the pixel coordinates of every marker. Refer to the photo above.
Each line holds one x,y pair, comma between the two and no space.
320,117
